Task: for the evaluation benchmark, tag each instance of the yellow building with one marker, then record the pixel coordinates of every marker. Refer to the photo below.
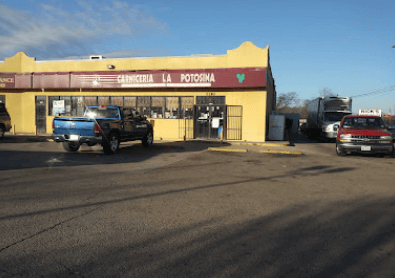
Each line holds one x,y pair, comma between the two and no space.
200,96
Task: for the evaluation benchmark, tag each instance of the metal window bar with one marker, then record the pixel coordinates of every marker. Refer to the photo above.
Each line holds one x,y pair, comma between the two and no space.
234,122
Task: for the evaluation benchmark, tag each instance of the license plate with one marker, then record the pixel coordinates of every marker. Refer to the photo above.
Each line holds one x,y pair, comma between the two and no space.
366,148
74,137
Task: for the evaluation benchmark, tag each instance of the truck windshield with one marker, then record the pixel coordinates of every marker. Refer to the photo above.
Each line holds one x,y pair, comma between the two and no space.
363,122
100,113
334,116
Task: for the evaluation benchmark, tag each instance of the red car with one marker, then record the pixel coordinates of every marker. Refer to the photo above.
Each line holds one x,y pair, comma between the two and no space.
364,134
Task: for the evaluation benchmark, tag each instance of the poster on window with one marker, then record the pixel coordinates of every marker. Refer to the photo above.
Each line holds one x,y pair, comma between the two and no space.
58,107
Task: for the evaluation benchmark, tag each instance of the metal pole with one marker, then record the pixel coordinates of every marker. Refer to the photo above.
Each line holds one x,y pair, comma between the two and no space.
185,129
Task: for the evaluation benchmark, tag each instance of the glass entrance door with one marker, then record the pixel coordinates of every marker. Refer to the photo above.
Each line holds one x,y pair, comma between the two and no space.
41,120
209,120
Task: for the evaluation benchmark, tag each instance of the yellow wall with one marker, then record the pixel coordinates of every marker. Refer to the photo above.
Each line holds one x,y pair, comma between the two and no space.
254,117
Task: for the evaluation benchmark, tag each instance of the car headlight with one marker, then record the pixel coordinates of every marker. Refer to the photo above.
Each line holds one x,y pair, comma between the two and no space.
386,139
345,138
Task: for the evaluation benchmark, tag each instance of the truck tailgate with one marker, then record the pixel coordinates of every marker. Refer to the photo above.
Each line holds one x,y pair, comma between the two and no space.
80,126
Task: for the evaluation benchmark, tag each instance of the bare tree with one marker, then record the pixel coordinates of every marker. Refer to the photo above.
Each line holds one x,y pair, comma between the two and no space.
326,92
288,100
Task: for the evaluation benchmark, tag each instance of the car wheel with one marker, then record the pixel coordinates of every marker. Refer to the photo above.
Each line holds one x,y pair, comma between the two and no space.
148,139
391,154
338,151
71,146
2,131
111,145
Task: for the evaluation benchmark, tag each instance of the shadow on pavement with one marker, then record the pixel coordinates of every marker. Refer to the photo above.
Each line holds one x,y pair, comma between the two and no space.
353,238
9,138
16,159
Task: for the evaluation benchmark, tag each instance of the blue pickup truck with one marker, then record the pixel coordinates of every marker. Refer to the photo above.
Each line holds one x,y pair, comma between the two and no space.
104,125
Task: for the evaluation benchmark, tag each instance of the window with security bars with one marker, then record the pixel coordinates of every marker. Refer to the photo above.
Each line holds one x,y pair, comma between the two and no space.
90,101
186,108
117,101
129,101
143,105
104,100
157,107
172,108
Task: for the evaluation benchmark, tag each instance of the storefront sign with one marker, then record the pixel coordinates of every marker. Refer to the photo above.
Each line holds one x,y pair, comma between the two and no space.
7,81
188,78
241,77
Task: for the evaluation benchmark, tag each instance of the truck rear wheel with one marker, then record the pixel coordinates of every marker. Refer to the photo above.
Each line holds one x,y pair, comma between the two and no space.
148,139
71,146
111,145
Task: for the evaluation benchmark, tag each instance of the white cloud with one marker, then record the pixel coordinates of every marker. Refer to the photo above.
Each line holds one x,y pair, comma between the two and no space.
55,32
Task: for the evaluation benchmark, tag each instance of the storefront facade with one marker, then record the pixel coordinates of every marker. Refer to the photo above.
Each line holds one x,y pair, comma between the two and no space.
207,96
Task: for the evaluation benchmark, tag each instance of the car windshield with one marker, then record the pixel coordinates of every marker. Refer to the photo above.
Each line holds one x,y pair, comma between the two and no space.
101,113
334,116
363,122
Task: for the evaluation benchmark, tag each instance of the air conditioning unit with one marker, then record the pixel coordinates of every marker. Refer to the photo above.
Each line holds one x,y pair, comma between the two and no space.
96,57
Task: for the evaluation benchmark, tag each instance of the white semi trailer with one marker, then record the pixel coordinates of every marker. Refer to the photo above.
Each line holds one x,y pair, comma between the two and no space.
324,115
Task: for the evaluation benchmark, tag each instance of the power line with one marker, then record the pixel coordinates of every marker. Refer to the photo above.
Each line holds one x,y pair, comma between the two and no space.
381,91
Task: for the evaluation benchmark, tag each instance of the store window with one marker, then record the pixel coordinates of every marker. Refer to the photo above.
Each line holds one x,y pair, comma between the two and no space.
143,105
157,107
77,107
130,101
104,101
172,108
118,101
65,106
2,98
186,108
90,101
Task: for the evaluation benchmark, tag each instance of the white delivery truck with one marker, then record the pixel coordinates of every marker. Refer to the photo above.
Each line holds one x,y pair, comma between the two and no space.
324,115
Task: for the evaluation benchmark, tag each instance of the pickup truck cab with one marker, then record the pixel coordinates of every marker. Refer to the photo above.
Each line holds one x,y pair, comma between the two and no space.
364,134
105,125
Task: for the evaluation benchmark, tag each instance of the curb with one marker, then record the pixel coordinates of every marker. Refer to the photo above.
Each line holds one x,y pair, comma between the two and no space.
263,144
260,151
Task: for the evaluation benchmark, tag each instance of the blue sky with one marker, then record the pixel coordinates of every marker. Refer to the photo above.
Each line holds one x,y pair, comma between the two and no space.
345,46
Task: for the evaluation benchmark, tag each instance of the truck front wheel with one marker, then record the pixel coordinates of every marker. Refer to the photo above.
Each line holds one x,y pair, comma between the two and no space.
111,145
71,146
338,151
148,139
